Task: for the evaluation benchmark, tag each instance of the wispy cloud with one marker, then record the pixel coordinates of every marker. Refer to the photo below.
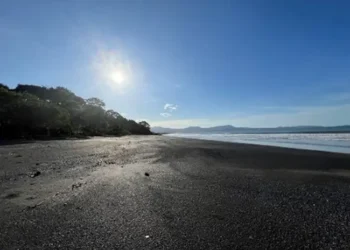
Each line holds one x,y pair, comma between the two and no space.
170,107
165,114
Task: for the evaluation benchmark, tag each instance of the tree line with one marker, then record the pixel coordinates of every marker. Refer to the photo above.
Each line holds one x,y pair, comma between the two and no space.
30,111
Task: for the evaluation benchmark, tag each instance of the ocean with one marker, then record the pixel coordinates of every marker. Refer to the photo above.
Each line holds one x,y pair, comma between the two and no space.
336,142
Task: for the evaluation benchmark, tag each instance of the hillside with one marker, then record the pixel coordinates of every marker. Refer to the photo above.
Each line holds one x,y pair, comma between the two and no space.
30,111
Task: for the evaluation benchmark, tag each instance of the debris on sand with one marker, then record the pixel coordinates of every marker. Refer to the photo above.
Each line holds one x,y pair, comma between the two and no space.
35,174
37,163
77,185
30,207
146,174
109,162
11,196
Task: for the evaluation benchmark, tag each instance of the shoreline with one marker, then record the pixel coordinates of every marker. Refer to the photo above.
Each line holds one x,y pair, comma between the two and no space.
267,146
338,146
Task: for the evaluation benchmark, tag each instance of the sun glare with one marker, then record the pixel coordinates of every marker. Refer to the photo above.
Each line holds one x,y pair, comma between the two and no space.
114,70
119,77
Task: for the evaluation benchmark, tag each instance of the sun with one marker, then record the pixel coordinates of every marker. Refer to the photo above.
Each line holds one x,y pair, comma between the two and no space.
114,70
119,77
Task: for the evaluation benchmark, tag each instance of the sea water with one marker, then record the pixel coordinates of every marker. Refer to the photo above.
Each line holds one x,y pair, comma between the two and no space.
337,142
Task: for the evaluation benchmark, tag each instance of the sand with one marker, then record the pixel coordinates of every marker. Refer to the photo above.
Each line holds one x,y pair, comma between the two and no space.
156,192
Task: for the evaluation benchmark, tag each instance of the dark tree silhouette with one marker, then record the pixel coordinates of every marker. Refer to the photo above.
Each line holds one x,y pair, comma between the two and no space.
145,124
34,111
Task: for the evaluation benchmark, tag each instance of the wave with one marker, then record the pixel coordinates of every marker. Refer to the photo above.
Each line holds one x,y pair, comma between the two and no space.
339,143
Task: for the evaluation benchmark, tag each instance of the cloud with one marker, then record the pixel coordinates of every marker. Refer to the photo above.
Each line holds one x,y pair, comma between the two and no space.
170,107
165,114
292,116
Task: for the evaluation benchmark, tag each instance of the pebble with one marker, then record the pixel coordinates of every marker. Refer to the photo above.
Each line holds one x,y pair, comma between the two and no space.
35,174
77,185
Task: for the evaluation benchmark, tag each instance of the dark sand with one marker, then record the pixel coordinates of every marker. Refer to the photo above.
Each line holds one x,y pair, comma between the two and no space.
197,195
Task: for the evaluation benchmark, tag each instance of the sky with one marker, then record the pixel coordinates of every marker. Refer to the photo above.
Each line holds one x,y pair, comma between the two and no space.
187,63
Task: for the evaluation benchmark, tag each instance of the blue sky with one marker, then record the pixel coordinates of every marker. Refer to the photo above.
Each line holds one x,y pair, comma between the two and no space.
186,63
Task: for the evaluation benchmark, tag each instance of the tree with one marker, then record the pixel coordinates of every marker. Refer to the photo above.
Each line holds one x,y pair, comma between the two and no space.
93,101
30,110
145,124
113,114
4,86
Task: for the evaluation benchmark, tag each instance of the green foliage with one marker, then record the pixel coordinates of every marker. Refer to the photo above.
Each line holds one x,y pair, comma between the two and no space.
95,102
145,124
4,86
34,111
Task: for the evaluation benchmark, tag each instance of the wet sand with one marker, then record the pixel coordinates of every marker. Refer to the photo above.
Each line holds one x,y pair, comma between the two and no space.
196,195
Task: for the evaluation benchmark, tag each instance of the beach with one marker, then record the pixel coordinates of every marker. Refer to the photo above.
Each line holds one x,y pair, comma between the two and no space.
159,192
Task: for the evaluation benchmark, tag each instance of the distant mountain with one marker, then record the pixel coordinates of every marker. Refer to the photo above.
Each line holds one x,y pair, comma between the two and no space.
228,129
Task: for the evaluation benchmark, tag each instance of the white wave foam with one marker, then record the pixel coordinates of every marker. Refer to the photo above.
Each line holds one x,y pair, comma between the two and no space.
339,143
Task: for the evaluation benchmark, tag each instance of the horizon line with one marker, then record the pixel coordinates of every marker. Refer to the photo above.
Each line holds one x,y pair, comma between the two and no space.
286,126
